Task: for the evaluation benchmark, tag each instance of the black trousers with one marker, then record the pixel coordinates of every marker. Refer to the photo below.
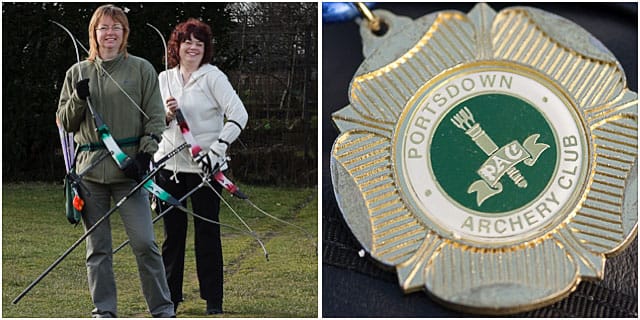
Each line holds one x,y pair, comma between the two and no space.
208,247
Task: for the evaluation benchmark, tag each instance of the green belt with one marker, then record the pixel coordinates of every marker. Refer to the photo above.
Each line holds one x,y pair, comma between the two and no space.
126,142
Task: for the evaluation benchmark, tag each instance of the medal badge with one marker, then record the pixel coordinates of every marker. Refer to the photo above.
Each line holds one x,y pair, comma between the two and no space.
489,157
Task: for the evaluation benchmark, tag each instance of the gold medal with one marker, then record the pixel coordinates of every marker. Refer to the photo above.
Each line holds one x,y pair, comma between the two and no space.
490,157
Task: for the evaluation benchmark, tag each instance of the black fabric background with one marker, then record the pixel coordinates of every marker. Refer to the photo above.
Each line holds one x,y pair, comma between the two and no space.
360,287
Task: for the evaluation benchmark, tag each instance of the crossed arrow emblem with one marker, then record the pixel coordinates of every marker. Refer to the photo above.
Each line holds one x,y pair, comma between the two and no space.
500,161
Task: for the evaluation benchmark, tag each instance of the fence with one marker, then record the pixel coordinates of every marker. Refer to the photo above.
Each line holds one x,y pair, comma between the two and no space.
268,51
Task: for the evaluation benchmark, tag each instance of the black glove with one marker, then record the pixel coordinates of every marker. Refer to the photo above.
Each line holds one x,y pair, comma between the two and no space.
138,167
209,162
82,89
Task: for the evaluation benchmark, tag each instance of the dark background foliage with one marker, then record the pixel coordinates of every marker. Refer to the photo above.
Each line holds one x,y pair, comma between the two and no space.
268,50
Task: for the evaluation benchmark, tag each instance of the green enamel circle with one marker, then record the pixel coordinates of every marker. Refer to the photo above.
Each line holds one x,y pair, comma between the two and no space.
456,158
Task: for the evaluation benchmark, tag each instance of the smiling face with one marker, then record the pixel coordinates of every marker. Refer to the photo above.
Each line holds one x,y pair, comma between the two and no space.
109,34
190,42
105,38
191,51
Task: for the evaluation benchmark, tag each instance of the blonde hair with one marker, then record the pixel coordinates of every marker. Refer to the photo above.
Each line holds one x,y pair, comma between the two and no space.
117,15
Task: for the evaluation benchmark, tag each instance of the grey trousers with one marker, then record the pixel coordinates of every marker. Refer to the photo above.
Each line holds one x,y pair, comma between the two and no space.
136,217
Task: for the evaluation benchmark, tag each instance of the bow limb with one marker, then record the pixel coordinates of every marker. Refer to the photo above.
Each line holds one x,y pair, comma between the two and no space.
66,141
122,245
75,45
90,230
182,208
234,190
164,44
166,55
282,221
204,177
164,212
250,233
206,181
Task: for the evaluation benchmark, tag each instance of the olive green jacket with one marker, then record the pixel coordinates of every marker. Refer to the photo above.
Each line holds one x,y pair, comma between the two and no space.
139,79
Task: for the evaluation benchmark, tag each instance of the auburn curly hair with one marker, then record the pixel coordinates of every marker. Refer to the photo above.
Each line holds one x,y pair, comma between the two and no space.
183,32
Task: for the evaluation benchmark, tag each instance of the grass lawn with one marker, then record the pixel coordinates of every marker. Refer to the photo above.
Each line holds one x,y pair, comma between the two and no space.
35,232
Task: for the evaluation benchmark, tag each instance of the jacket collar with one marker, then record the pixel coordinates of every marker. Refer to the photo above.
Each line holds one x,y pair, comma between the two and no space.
110,64
204,69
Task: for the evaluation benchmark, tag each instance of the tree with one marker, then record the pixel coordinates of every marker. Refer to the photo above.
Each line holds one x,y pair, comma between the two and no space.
36,55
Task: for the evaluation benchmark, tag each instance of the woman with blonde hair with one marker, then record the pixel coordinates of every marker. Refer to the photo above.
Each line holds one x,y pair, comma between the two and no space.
108,70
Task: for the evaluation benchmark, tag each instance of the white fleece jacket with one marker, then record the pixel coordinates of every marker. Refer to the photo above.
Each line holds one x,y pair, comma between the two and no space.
205,100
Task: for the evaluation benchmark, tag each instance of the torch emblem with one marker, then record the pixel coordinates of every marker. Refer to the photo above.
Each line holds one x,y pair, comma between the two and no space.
501,160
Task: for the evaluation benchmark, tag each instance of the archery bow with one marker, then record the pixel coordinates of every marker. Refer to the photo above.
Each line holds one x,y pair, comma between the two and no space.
70,184
246,199
190,139
137,187
68,151
121,158
152,186
75,180
196,149
122,245
188,194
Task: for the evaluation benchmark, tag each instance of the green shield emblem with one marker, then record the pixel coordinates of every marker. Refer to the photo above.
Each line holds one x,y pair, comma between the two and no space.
493,153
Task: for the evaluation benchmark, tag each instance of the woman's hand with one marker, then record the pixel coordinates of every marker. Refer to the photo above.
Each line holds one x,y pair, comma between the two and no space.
172,106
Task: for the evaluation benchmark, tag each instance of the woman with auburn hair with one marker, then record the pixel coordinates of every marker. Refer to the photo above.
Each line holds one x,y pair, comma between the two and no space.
205,98
108,69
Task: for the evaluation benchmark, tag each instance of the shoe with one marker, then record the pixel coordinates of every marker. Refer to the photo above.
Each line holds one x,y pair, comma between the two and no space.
102,314
176,304
213,309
